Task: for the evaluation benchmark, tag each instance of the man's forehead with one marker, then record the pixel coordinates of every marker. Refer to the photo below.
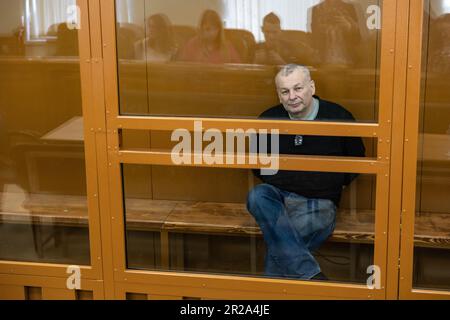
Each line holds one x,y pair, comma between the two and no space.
296,77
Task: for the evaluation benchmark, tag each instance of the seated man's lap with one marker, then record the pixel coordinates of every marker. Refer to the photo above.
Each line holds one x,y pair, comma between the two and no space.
310,217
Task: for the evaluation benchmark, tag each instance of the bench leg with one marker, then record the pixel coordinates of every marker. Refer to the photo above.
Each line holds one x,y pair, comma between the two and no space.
165,250
253,249
60,240
354,260
177,252
37,239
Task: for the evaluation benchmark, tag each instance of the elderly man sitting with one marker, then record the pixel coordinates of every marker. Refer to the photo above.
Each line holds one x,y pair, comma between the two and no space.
296,210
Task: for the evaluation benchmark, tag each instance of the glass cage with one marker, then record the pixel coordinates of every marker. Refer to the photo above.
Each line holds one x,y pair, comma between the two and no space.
97,98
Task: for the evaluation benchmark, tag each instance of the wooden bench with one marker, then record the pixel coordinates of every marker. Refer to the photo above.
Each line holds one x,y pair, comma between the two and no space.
432,229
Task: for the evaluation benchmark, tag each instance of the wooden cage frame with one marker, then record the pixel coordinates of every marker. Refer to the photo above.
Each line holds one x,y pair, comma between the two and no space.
396,129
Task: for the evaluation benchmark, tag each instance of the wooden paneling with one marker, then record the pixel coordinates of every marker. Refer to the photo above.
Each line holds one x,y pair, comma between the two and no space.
12,292
58,294
136,296
162,297
84,295
47,288
33,293
184,89
40,94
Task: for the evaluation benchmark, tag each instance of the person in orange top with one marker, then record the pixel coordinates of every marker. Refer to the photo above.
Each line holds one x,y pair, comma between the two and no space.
210,45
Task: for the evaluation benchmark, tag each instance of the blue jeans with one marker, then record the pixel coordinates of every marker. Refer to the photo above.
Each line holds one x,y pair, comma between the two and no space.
293,226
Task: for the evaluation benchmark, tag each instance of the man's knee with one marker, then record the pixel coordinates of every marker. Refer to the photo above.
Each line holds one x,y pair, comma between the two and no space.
259,195
326,213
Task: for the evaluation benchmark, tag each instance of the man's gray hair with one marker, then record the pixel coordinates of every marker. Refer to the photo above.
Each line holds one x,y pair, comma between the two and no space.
288,69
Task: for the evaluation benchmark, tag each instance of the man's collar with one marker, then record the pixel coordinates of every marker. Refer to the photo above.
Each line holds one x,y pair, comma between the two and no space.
314,111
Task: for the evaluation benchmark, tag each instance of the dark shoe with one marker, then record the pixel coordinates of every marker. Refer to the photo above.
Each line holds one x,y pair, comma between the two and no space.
320,277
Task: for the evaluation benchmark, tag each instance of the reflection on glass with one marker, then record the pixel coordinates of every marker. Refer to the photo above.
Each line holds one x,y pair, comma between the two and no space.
173,226
159,45
220,59
439,38
210,46
279,49
432,227
42,171
335,32
38,28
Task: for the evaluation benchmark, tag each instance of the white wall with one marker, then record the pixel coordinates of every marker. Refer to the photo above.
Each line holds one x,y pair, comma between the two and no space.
10,16
185,12
240,14
440,7
249,14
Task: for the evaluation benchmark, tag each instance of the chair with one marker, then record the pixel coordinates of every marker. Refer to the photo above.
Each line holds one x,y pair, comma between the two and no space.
183,34
297,37
128,35
52,31
67,41
302,42
244,42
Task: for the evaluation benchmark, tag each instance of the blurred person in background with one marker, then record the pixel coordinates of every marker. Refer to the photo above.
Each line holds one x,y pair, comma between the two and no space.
210,45
159,45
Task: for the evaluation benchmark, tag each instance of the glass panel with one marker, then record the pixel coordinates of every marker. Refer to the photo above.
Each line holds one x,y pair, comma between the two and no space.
219,58
432,228
196,220
43,209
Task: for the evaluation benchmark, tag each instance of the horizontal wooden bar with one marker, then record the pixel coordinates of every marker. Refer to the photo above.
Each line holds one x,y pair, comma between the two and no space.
350,129
286,162
47,282
422,294
279,288
43,269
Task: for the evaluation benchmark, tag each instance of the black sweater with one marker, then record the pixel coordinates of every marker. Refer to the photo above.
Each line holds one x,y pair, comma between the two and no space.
317,185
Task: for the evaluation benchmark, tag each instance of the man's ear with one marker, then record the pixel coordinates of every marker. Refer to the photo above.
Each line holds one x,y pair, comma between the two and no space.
313,87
